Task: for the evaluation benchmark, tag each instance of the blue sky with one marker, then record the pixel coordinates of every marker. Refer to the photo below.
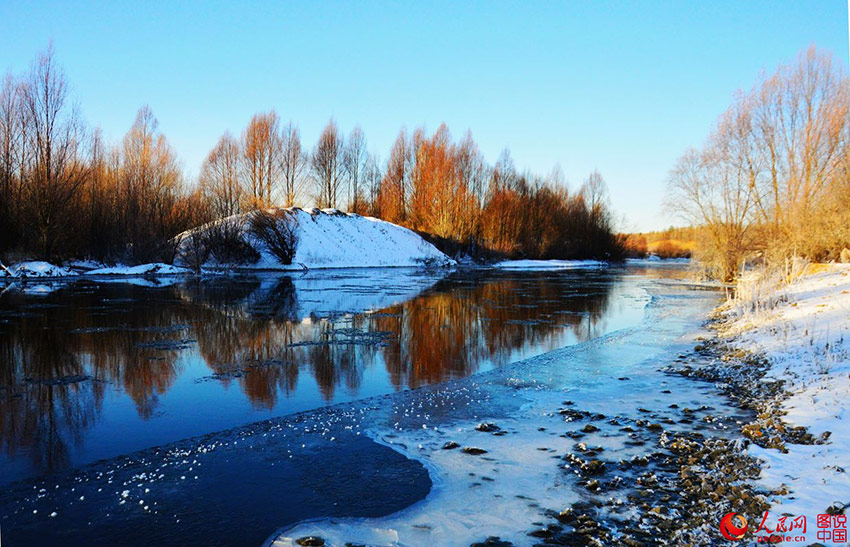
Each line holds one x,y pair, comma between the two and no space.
623,87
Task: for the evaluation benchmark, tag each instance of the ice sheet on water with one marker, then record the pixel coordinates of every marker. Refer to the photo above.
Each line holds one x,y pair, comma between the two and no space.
549,264
518,477
539,409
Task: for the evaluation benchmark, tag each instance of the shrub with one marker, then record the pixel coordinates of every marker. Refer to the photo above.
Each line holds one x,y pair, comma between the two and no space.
277,231
193,249
224,241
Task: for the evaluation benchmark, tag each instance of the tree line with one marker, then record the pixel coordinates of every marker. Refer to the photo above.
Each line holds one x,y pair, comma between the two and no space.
64,192
772,180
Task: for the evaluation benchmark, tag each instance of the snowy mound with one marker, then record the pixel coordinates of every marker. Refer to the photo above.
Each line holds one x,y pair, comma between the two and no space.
329,238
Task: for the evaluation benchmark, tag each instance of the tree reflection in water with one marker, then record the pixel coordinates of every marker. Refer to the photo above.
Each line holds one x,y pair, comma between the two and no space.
61,352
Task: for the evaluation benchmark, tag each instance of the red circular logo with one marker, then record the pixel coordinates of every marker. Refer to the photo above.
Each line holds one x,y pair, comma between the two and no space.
732,530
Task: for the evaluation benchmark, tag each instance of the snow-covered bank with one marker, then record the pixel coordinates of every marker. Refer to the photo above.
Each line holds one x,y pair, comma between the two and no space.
803,332
156,268
654,260
325,239
332,239
34,269
153,274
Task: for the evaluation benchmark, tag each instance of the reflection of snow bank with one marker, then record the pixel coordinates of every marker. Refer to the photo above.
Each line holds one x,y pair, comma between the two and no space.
325,293
806,339
548,264
358,290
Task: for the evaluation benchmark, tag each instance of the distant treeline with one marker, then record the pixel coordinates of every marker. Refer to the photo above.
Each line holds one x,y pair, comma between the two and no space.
66,193
673,242
773,179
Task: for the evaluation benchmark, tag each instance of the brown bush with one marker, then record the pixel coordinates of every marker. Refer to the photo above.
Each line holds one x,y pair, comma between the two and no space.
278,231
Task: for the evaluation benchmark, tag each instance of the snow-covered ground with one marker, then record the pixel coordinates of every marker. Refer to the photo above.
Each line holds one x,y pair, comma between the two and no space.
45,270
332,239
156,268
803,330
35,268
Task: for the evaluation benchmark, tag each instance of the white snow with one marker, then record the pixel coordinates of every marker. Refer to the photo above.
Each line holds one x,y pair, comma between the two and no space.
331,239
38,268
803,329
156,268
548,264
654,260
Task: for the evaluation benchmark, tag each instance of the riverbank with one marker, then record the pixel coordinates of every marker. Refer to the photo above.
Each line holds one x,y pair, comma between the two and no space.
779,351
785,348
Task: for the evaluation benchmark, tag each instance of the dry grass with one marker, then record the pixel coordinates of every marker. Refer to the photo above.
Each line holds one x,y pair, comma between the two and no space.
815,268
672,248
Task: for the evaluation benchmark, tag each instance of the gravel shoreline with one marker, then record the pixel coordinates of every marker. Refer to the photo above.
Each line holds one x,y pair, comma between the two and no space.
690,479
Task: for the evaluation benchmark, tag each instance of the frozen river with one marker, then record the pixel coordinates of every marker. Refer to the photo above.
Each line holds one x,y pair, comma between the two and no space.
221,410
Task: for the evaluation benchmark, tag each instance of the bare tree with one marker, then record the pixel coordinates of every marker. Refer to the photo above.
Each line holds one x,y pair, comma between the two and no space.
799,117
372,179
261,149
56,170
355,157
393,194
292,163
150,182
775,168
327,165
11,156
472,173
714,189
219,177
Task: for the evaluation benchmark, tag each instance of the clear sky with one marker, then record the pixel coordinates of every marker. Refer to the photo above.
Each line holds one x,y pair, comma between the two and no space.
623,87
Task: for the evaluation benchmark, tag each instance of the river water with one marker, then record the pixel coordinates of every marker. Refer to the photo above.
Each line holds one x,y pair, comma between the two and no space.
221,410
